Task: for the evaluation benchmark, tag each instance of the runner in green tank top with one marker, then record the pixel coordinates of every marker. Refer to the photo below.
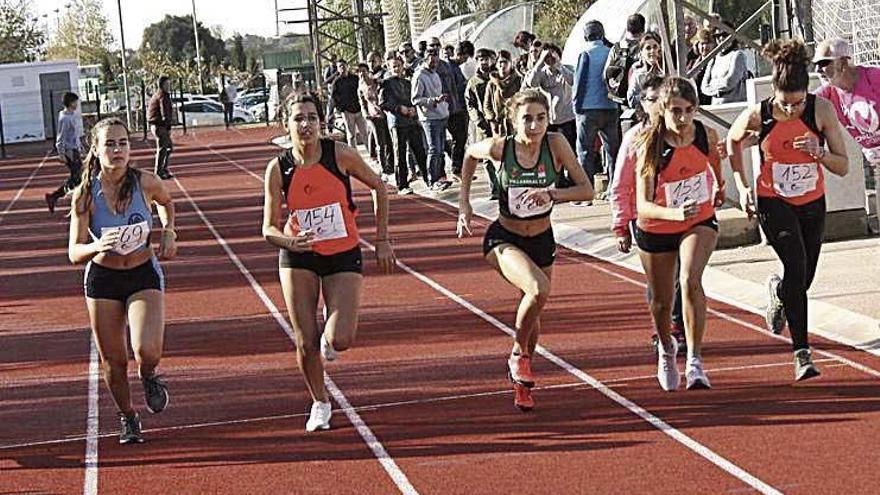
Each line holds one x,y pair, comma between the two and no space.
520,244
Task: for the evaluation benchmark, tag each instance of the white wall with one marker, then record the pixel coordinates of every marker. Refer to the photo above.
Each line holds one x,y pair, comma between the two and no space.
21,100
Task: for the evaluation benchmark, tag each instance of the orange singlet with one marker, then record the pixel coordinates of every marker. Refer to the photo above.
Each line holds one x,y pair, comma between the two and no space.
319,199
786,173
685,174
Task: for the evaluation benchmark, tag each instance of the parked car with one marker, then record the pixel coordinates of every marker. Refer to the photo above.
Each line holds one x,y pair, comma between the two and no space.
199,113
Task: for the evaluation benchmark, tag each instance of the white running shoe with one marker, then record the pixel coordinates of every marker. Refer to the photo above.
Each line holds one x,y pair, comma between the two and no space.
667,369
327,350
695,375
319,418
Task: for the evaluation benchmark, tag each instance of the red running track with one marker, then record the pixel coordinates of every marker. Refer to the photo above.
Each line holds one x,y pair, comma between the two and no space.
427,408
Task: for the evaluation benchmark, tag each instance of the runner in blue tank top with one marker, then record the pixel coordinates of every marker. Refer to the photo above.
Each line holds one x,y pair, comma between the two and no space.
520,244
110,226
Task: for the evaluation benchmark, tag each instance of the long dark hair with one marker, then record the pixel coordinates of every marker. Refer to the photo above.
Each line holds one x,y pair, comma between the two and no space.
650,142
92,166
652,81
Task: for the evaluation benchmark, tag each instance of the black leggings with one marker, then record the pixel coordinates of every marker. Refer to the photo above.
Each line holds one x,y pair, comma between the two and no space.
795,233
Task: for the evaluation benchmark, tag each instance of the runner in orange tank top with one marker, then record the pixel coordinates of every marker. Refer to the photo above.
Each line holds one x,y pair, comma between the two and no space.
320,252
793,127
677,189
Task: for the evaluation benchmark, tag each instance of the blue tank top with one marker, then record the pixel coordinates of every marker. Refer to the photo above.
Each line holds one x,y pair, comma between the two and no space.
137,212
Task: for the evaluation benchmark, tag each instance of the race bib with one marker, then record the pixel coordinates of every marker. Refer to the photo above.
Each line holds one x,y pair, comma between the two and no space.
695,187
325,221
131,237
795,179
522,207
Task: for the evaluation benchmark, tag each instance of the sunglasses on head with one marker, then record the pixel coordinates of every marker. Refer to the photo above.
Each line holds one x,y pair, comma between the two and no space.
823,63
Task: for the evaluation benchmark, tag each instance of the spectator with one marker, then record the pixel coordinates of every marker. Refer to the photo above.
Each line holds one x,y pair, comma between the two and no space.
464,52
624,54
160,119
377,68
650,63
448,53
345,99
68,144
410,60
704,43
556,80
423,48
231,93
433,110
726,75
330,75
503,84
523,40
596,114
406,135
854,90
377,124
475,97
454,85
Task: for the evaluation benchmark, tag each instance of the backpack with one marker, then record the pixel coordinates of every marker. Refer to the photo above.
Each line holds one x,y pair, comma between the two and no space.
620,61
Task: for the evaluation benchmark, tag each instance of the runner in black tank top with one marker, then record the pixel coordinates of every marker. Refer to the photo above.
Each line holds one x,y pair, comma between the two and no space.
319,242
520,244
792,126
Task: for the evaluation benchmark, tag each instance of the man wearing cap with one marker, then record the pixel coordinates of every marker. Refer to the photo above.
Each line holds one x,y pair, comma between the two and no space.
595,113
855,92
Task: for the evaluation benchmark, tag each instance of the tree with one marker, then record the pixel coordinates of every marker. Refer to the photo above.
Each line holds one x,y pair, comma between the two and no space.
174,37
21,40
83,34
237,57
556,18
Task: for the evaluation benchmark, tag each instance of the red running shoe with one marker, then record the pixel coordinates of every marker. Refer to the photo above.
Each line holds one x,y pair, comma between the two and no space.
522,398
519,369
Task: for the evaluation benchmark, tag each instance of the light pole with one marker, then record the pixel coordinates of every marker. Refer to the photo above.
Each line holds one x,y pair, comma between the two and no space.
124,67
198,52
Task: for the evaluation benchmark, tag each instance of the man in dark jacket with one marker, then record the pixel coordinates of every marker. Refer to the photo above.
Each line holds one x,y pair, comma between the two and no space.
395,98
454,84
475,95
160,119
345,99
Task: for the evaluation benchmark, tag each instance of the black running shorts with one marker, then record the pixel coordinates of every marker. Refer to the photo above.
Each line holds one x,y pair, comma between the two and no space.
540,248
665,243
109,283
322,266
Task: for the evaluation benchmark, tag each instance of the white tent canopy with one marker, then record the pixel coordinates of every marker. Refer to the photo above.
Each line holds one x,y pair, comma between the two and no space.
498,30
450,30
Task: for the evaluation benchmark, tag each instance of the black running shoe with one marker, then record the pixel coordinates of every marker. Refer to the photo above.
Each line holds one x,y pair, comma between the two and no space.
804,368
131,430
775,315
155,394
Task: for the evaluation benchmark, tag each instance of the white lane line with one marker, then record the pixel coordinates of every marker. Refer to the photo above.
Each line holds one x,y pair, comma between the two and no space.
26,184
90,483
391,467
388,405
634,408
725,316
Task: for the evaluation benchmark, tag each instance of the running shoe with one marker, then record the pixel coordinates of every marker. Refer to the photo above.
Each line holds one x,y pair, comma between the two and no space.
679,337
804,368
319,417
519,369
667,369
695,375
522,398
327,350
155,394
775,315
131,430
165,175
406,191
